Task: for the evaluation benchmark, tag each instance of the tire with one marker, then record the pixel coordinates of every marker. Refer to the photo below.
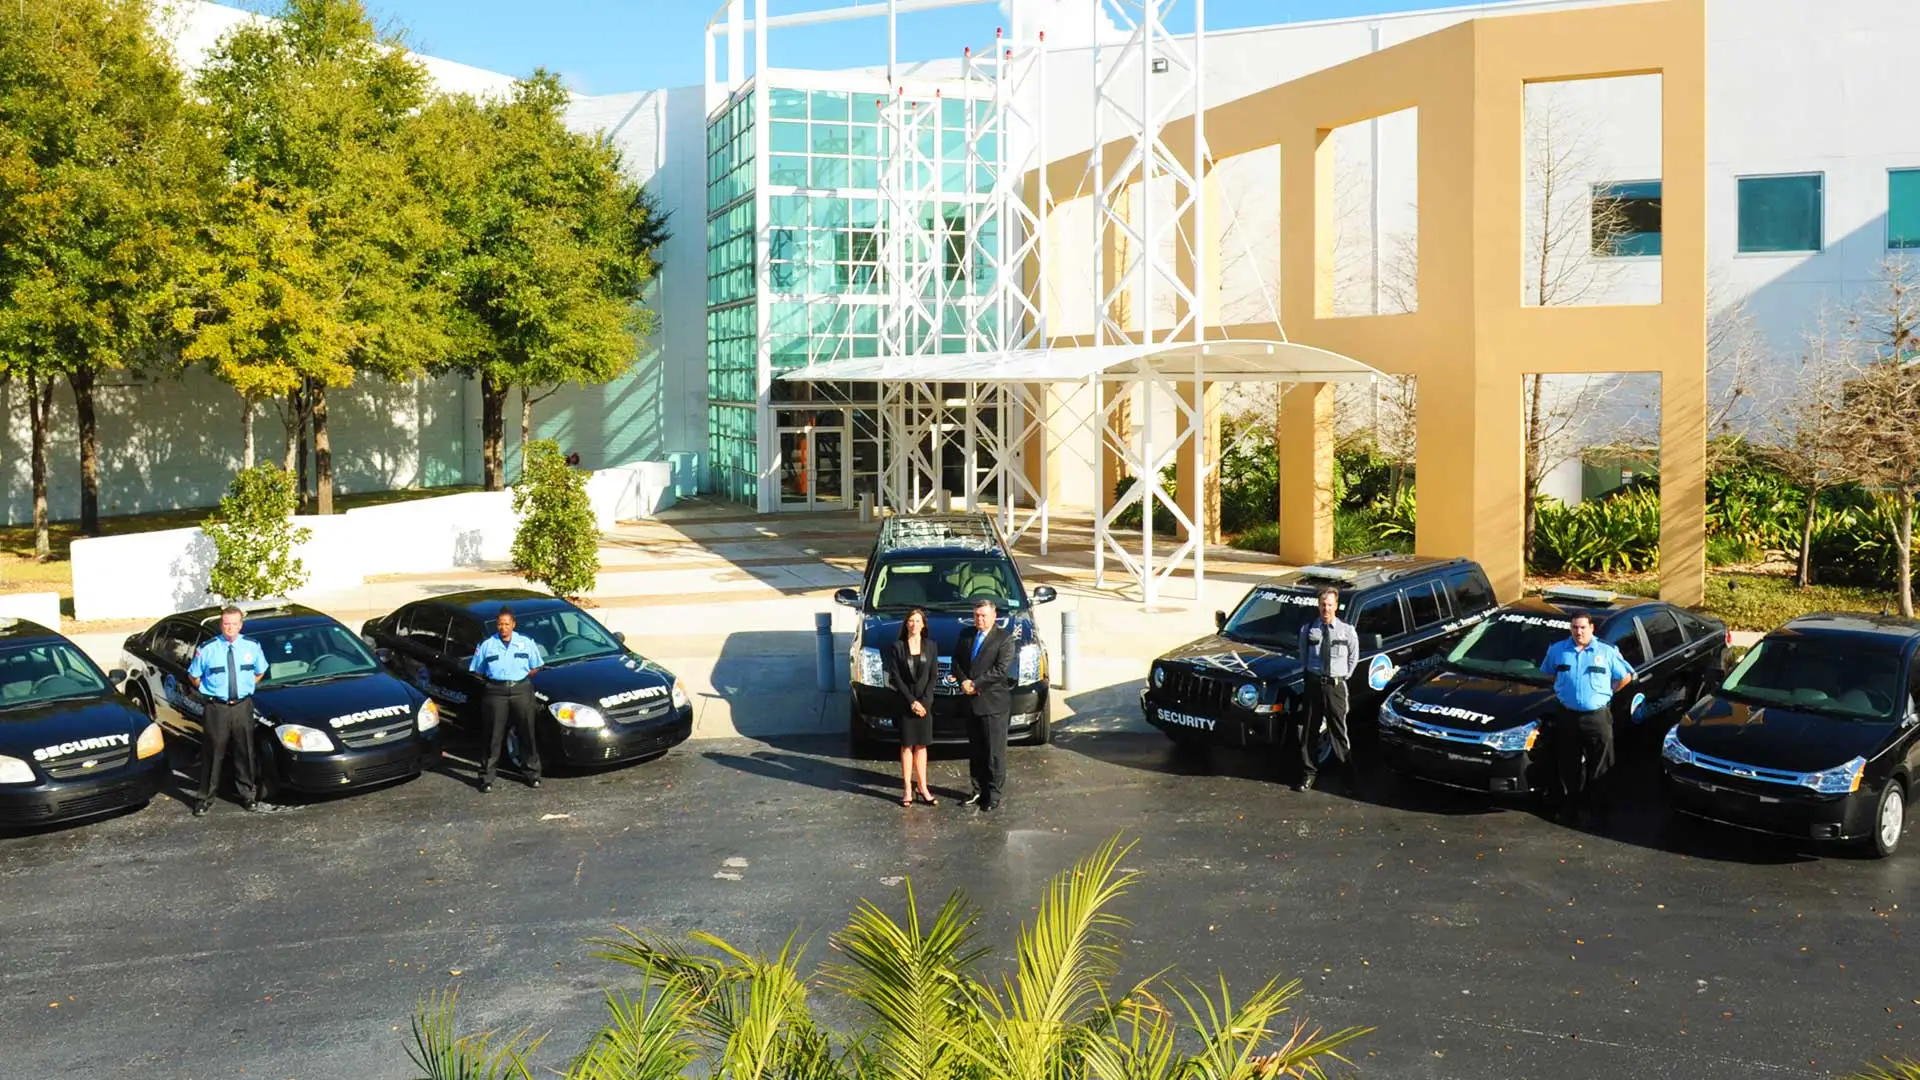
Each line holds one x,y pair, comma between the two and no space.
1889,819
860,746
139,699
268,787
1041,733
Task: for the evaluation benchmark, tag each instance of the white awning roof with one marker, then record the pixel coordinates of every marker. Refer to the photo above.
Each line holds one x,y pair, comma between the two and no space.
1218,361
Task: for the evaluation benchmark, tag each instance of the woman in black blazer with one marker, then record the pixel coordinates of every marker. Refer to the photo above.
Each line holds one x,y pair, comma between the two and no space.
915,665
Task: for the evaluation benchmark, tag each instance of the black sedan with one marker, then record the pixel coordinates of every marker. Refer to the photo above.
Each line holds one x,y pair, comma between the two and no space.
70,747
329,718
1815,734
599,703
1476,722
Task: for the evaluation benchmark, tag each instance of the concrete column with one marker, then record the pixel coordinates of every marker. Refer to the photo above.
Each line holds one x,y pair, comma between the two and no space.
1305,440
1683,484
1472,469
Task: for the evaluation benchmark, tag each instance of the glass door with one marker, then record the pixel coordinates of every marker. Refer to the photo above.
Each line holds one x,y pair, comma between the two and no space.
814,459
796,481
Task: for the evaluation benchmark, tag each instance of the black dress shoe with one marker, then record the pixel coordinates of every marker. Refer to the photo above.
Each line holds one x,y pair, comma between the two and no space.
486,786
534,782
202,809
1305,784
989,807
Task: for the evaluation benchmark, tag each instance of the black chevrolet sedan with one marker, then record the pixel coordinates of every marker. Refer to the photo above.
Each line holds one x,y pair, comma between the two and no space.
70,747
328,717
1815,734
1476,721
598,702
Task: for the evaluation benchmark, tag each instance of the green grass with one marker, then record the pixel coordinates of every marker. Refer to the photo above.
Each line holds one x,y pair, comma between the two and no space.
19,572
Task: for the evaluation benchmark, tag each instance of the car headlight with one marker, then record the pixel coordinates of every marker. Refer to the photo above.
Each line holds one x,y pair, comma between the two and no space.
428,717
1033,664
151,742
1247,695
1390,716
575,715
1842,780
15,771
1673,750
1513,739
681,699
868,668
301,738
1159,676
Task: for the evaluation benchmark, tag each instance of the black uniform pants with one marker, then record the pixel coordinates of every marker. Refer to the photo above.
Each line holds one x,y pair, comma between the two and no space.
1326,701
226,727
987,756
504,701
1582,753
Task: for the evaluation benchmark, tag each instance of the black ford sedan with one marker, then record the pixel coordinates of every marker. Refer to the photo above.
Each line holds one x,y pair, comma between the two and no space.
598,703
1476,722
328,718
1814,734
70,747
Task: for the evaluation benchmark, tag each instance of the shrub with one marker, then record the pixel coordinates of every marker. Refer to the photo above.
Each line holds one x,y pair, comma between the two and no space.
558,541
1249,485
1854,545
1264,538
928,1013
254,537
1163,520
1619,534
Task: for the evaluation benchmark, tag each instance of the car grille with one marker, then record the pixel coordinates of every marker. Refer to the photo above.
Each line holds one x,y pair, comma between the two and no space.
360,738
386,770
1748,772
941,685
93,765
639,712
1193,691
99,801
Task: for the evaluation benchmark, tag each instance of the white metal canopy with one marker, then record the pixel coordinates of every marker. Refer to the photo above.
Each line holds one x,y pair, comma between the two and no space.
1211,361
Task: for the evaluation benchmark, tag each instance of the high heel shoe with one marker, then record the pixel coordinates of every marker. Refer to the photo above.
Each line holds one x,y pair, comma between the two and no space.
908,801
927,798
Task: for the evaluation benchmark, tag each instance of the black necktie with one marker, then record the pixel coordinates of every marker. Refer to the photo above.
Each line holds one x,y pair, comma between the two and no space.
232,671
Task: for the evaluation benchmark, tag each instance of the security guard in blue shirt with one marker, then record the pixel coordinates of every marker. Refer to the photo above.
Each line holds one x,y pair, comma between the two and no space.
224,671
1586,674
507,662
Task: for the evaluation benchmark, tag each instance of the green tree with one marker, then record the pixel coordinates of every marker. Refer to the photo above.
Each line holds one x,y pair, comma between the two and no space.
558,541
928,1012
548,251
315,270
254,537
103,172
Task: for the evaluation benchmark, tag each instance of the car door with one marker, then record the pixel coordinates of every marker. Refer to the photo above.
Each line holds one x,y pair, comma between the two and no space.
178,707
1430,630
1623,633
1380,622
419,640
464,635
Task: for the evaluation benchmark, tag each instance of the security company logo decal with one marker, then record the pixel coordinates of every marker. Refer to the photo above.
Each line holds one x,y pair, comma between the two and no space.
81,746
365,715
1200,723
612,700
1380,672
1451,712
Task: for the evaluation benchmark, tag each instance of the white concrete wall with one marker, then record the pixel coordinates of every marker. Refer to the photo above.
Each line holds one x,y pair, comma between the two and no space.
40,607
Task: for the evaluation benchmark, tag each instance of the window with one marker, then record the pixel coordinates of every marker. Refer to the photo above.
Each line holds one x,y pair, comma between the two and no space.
44,671
1903,209
463,636
425,627
1663,633
1426,605
175,644
1379,621
1471,593
1782,213
1696,627
1622,635
1626,219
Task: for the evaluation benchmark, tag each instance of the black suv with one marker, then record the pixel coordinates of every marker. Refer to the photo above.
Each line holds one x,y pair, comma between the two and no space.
1475,723
1814,734
1236,687
943,563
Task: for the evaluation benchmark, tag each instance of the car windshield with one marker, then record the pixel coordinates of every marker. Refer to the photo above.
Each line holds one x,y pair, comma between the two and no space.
566,634
1272,617
46,671
311,652
1509,645
1852,676
946,582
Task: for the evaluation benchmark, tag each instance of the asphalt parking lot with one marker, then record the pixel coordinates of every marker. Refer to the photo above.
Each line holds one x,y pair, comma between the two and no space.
1480,942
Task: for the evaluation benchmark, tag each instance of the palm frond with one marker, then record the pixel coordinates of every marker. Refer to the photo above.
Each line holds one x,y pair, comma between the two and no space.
912,979
645,1038
440,1053
1134,1039
1893,1070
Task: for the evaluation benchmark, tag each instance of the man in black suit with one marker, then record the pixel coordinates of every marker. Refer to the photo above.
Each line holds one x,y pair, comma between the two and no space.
983,662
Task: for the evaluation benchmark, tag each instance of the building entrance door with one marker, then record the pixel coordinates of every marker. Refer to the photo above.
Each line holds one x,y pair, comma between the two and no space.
813,459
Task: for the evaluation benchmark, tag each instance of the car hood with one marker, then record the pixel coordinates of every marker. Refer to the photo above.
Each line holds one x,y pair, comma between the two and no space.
1467,702
603,682
76,729
944,627
1217,655
338,704
1771,737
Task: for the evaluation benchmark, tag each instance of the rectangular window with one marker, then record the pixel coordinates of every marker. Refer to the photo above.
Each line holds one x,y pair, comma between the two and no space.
1379,622
1626,219
1426,606
1903,209
1782,213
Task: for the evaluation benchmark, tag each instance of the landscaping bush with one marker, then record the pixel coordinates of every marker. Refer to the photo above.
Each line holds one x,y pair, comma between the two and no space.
1163,520
1853,545
558,541
1249,485
1618,534
254,537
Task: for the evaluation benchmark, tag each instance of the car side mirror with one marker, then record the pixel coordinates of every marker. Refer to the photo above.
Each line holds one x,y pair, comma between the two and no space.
117,676
1219,620
847,597
1044,594
385,656
620,636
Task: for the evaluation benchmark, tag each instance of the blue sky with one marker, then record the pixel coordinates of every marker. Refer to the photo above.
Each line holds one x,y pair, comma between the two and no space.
602,46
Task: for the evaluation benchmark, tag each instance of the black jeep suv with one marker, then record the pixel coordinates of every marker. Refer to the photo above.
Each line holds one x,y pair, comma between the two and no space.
943,563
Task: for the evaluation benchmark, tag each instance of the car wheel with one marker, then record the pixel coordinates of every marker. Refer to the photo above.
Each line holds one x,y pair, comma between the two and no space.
1040,734
1889,819
268,786
860,746
139,699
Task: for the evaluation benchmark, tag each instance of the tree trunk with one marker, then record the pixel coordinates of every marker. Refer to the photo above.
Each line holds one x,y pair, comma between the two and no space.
246,432
1903,552
40,410
1531,484
306,410
1803,576
322,450
88,425
493,409
291,459
526,424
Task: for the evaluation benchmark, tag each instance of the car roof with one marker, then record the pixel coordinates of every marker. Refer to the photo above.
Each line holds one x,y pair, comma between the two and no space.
923,533
1851,622
16,631
485,604
260,615
1358,572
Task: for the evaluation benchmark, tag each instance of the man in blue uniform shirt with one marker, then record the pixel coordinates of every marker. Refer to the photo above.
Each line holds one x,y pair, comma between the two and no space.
1586,674
507,662
225,670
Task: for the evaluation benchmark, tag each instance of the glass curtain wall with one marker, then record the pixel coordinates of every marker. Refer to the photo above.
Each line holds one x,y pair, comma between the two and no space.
733,390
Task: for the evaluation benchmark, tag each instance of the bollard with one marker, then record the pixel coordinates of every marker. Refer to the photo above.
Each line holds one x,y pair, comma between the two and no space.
1069,647
823,651
942,501
866,508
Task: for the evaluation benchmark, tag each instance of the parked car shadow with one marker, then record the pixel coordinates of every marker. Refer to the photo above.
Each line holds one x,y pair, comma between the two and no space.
814,761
